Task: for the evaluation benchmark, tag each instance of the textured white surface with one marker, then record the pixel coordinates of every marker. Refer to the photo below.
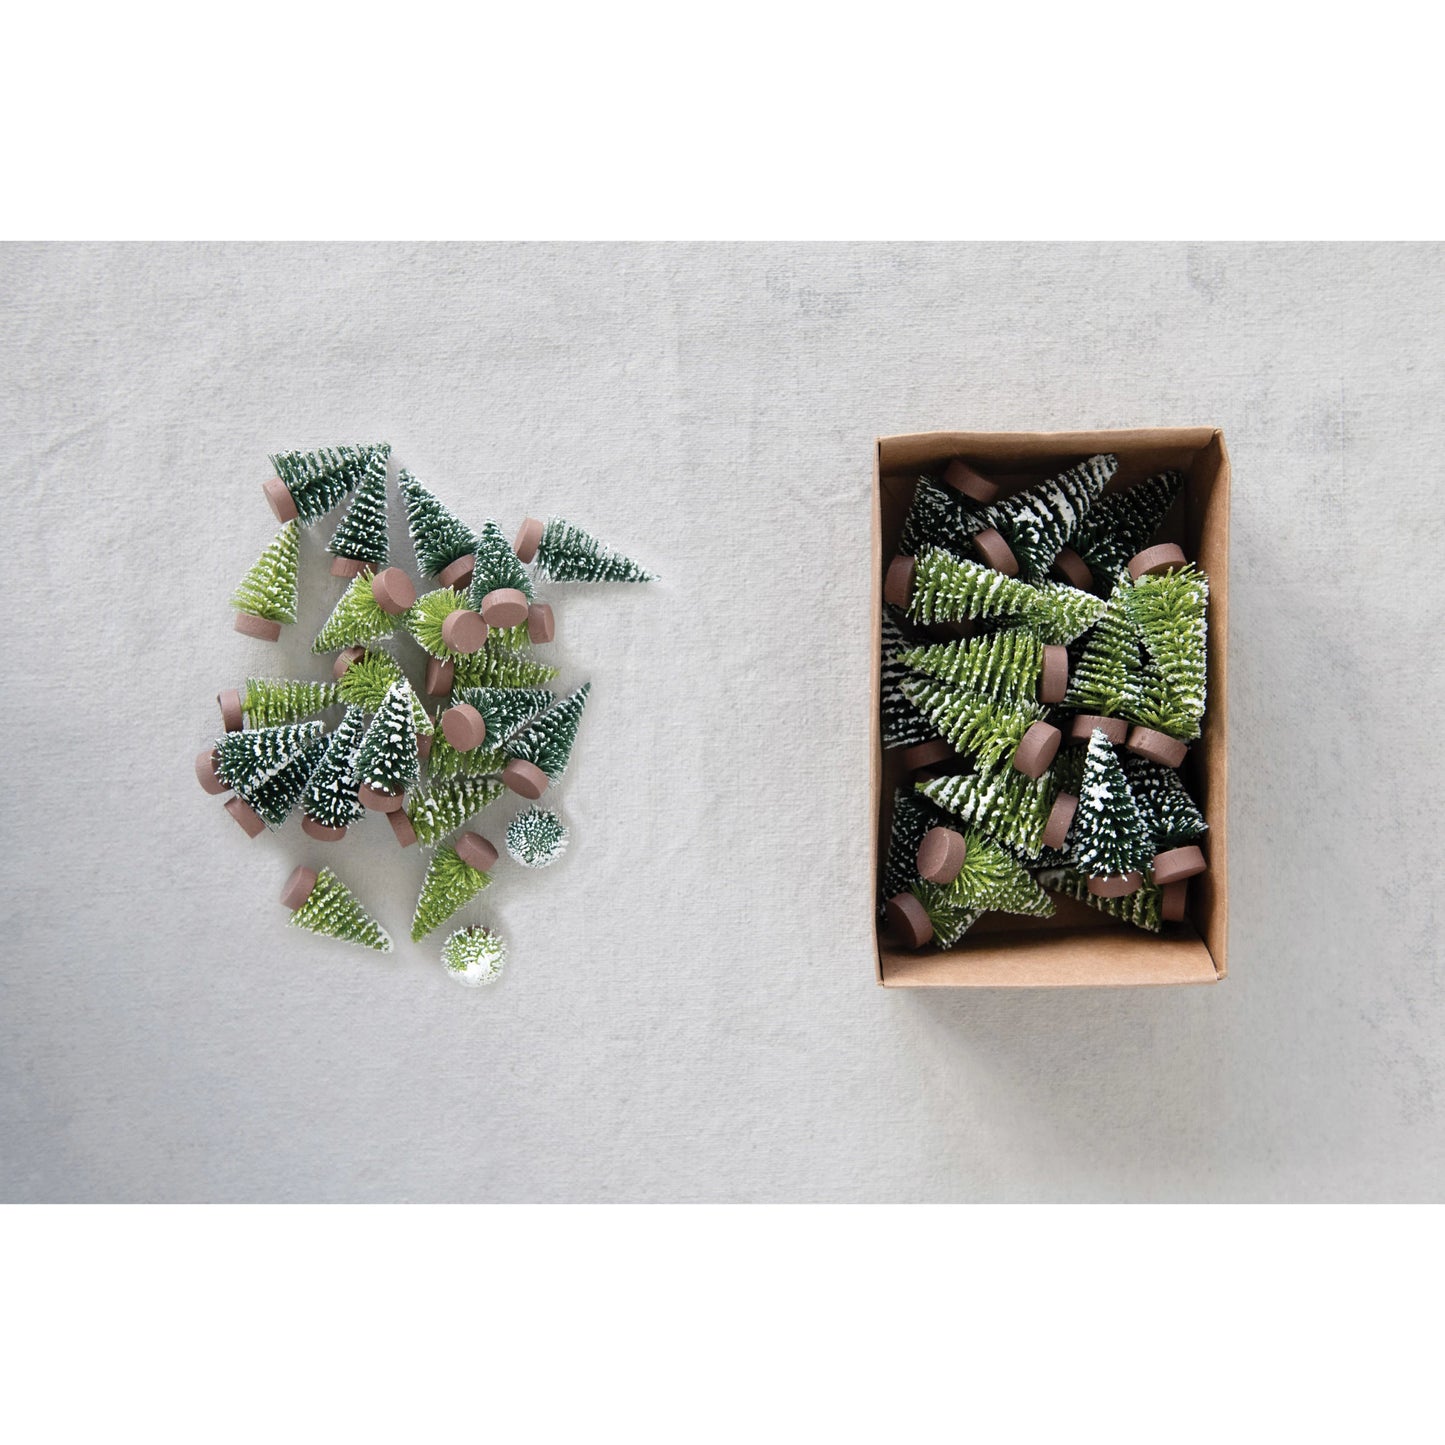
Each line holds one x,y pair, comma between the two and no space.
689,1011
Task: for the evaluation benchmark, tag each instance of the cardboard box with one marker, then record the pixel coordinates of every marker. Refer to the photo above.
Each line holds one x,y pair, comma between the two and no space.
1079,946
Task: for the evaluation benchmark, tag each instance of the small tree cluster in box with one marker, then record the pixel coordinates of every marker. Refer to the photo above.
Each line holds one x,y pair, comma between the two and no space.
503,730
1042,743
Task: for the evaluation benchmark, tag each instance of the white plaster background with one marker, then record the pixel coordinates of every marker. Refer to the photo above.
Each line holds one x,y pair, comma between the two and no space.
690,1012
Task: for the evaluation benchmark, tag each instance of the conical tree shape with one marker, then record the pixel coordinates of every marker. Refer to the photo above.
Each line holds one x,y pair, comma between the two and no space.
1040,521
425,619
269,701
1110,835
361,533
438,536
498,666
269,589
568,554
1141,907
274,798
971,723
318,480
1005,666
357,618
1174,820
1169,612
388,761
450,884
444,805
913,816
474,956
903,724
536,838
332,910
496,567
1001,801
1108,678
330,796
367,681
994,881
1124,523
505,709
244,760
446,762
950,916
547,740
939,517
950,589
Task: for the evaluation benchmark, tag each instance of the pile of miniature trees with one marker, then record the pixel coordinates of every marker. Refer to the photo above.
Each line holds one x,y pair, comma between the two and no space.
499,728
1043,676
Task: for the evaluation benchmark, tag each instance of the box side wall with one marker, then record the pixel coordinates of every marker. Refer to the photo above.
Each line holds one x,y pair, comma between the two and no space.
875,729
1079,946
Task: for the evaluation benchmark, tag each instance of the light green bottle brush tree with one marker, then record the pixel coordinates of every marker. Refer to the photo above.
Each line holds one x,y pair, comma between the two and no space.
386,751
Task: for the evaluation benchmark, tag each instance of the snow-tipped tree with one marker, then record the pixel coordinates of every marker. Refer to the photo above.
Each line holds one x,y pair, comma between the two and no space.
1110,835
451,883
1041,520
446,803
912,817
546,742
333,910
1141,907
268,590
1124,523
1173,817
951,589
246,759
474,956
1000,801
939,517
568,554
497,567
536,838
273,799
317,481
270,701
388,761
438,536
330,797
361,535
986,728
504,709
903,724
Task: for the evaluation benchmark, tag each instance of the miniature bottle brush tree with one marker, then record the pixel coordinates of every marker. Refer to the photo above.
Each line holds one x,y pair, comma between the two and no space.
1044,672
504,732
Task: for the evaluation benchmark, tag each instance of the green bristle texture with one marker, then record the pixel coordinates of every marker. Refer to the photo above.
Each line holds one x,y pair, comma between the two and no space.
356,619
1108,678
269,701
1005,666
438,536
274,798
1141,908
1109,835
367,681
246,759
939,517
569,554
547,740
445,804
330,795
449,884
332,909
1041,520
1173,818
425,619
269,588
993,880
318,480
1123,523
504,709
988,730
1001,802
913,816
496,567
950,918
387,760
1169,612
497,666
446,762
536,838
362,534
951,589
474,956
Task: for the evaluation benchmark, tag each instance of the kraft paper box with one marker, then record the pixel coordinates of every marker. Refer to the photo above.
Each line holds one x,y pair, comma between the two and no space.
1078,946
